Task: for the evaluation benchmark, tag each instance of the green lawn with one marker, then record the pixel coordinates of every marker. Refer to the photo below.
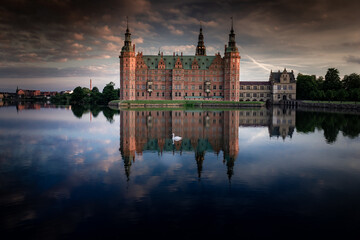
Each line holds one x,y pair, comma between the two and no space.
332,102
185,102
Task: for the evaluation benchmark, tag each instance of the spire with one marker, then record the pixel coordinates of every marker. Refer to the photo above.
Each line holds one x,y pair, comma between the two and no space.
127,24
232,44
200,49
127,43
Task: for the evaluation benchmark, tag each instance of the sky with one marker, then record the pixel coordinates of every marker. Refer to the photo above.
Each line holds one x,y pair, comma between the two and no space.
61,44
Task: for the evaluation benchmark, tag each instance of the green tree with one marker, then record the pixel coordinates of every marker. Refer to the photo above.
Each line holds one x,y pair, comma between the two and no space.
332,80
342,95
96,96
109,93
351,81
305,84
330,95
78,95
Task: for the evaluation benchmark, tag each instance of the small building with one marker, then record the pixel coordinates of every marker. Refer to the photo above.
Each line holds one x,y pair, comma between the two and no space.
281,86
27,93
284,85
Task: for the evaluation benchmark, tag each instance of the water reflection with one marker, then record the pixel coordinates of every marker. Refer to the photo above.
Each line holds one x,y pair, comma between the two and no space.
201,131
331,123
57,168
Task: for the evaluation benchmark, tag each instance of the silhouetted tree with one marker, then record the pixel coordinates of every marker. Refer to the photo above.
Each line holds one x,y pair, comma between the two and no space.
332,80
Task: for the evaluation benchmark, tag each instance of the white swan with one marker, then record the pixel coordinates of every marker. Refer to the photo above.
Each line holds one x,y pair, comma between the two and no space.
176,138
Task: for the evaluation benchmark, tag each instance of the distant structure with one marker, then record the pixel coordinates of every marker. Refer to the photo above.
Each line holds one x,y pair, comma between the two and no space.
24,93
281,86
196,77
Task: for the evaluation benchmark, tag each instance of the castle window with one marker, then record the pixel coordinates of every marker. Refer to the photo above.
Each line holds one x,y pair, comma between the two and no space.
176,94
163,94
200,87
150,94
247,87
255,87
279,87
193,87
185,94
214,87
138,93
284,87
179,94
142,94
157,94
279,96
233,87
262,87
200,94
214,94
220,87
193,94
220,94
242,87
290,87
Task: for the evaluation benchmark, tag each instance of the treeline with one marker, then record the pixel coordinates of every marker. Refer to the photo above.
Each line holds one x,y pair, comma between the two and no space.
330,123
330,88
80,110
84,96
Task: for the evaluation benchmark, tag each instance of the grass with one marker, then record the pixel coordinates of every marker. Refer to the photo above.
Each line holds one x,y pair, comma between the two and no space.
331,102
188,103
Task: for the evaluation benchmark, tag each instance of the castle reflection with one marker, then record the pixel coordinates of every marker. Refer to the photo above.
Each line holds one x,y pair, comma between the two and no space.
201,132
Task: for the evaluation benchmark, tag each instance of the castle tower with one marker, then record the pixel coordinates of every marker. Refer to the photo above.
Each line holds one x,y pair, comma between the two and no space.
200,49
231,140
127,68
232,69
127,139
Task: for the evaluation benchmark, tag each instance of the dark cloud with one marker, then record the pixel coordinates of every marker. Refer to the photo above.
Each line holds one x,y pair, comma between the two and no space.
310,32
352,59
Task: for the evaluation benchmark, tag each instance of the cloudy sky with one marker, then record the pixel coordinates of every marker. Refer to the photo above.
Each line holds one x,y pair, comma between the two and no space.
61,44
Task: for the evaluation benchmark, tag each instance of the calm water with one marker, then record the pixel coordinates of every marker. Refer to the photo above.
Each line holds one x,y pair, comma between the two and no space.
102,173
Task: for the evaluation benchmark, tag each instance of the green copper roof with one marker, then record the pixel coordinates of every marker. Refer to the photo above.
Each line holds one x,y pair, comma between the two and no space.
204,61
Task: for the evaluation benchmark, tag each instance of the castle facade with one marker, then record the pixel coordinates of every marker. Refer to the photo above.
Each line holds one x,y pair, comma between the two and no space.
196,77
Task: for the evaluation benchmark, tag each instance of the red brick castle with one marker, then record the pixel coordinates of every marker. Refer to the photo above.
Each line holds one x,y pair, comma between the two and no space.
179,77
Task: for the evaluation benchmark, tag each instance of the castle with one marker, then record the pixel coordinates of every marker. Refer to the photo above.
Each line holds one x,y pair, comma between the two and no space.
196,77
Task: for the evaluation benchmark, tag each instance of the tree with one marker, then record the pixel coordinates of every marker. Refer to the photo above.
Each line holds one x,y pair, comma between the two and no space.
330,94
109,93
305,84
77,95
332,80
351,81
342,95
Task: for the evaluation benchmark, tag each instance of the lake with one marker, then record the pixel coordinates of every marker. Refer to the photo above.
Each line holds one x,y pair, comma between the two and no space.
98,173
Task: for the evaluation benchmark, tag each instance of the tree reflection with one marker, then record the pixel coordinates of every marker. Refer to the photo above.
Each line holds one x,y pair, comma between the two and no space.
330,123
80,110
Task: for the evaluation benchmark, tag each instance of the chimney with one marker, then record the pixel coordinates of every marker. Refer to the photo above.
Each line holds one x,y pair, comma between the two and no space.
173,54
225,48
134,47
90,85
181,53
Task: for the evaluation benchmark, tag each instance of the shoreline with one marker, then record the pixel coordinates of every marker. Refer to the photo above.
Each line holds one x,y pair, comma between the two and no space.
182,104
